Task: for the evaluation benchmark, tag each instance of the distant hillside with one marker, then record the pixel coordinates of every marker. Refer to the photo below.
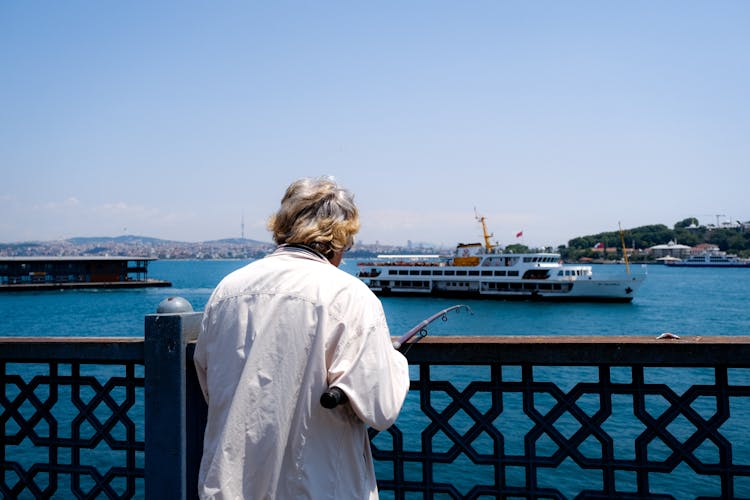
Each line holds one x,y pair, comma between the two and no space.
126,240
229,248
238,241
147,240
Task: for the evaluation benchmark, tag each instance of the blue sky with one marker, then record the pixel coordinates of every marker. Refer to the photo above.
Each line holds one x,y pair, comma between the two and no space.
558,119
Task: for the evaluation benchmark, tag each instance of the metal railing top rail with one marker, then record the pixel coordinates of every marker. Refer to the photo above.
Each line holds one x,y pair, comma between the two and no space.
536,349
88,349
583,350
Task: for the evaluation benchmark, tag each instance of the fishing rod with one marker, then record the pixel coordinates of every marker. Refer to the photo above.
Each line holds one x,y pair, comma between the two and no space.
335,396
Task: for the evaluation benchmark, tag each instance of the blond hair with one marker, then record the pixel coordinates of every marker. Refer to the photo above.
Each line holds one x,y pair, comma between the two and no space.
318,213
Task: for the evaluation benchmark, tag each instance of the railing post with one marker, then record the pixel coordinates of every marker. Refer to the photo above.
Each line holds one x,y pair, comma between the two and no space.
166,336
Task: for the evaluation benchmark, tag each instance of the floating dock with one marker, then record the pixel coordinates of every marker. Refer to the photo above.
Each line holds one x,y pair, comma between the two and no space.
19,274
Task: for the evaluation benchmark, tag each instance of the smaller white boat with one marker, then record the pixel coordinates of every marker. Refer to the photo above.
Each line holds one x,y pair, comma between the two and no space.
710,258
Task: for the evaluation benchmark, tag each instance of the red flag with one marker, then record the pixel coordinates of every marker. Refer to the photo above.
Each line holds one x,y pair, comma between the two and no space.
519,234
599,246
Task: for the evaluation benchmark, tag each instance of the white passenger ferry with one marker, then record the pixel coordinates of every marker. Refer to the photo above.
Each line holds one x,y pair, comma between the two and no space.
710,258
487,272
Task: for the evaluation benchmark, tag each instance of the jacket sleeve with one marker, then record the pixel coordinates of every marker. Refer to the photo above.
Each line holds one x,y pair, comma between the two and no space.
373,374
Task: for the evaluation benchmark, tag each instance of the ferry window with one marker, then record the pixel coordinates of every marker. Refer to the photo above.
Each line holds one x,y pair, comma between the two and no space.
527,259
450,273
460,273
486,273
414,273
473,273
392,271
425,273
438,273
512,273
402,272
499,273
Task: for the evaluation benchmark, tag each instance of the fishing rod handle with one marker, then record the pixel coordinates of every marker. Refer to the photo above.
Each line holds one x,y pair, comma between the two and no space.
333,397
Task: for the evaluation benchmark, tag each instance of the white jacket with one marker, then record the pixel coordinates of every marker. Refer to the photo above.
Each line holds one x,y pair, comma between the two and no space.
276,334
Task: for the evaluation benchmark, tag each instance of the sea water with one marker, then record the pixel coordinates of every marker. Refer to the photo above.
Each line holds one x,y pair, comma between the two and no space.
687,302
700,301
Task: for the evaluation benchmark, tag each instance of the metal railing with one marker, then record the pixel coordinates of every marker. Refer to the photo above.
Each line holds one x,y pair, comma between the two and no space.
573,417
489,417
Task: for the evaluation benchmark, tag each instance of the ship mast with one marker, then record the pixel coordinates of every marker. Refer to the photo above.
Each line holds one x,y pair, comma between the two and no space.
624,250
487,244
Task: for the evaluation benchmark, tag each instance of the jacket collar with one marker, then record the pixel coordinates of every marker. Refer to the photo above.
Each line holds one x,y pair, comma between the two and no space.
301,250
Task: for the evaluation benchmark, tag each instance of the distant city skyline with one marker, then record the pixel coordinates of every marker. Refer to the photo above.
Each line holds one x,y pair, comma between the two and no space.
186,121
723,224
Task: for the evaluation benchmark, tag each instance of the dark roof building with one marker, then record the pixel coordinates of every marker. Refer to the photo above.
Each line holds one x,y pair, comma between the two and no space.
55,273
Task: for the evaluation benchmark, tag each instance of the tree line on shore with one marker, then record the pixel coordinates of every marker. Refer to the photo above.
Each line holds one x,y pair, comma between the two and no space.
733,240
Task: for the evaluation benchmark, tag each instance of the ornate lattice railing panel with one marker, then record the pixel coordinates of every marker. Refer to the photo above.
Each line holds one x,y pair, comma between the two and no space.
486,417
72,428
586,428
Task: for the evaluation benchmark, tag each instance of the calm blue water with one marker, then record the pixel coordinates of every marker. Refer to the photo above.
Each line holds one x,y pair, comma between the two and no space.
683,301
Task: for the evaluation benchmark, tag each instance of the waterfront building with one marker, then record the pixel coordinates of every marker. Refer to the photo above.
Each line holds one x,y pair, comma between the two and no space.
54,273
671,249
